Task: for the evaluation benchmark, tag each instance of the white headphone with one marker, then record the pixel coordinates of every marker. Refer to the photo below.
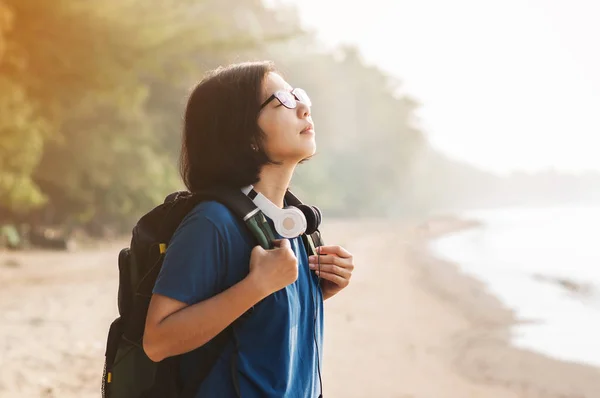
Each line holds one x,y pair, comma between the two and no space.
289,222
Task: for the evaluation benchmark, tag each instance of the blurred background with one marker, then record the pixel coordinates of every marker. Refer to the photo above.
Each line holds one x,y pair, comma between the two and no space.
427,114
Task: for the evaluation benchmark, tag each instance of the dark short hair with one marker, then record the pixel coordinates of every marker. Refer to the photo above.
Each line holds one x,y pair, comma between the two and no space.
221,128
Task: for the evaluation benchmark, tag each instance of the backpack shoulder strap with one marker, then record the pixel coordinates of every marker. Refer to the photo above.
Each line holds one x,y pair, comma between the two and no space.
292,199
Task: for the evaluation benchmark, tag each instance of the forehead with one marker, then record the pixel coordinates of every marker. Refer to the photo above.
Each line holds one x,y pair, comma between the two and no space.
272,83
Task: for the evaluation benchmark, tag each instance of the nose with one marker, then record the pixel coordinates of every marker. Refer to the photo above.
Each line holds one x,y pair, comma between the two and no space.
302,109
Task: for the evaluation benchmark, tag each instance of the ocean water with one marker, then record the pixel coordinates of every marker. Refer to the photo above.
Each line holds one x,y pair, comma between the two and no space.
520,254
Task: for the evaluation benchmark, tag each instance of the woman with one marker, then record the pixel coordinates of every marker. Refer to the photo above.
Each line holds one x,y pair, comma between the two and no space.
244,125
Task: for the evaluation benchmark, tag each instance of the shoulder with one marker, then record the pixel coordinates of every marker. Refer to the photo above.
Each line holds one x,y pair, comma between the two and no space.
213,212
215,215
192,269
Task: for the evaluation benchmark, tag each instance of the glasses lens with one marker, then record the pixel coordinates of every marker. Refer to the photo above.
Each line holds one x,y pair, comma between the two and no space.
301,95
286,99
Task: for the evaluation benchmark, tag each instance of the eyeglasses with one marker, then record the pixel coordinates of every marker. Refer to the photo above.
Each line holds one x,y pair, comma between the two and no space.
289,98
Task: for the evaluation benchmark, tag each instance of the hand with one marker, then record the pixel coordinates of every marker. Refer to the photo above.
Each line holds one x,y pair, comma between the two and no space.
336,266
272,270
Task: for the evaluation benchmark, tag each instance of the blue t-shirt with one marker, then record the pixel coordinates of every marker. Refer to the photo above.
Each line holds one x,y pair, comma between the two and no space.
276,355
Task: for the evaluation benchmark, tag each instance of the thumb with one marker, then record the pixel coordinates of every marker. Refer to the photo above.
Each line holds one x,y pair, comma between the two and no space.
258,251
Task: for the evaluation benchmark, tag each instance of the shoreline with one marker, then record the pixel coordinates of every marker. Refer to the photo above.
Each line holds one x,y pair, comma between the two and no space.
484,352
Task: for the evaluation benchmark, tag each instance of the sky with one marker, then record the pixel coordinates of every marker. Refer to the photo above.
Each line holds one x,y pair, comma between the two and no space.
504,85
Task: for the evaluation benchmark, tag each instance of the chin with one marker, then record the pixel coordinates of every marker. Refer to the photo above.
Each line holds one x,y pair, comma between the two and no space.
298,154
299,158
310,151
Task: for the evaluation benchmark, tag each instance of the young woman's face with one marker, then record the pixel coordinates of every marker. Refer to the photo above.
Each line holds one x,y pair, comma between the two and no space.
289,133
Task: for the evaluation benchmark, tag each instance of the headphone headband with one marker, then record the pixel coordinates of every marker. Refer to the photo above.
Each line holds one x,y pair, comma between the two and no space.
291,221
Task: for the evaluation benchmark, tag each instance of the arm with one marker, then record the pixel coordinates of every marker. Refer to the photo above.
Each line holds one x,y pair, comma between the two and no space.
173,327
188,308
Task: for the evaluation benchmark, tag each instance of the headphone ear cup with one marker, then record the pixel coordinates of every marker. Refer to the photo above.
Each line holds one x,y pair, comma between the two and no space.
319,216
313,217
291,222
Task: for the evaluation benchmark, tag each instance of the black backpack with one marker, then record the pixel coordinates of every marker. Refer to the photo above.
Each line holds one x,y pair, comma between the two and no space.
128,372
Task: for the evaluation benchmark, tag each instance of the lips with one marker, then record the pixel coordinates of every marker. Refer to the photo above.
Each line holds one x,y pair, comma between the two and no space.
308,128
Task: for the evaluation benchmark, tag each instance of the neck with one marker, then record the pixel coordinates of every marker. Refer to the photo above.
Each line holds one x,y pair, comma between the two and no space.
274,181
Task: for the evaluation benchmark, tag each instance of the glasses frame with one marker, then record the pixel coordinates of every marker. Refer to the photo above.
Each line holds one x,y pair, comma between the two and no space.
283,95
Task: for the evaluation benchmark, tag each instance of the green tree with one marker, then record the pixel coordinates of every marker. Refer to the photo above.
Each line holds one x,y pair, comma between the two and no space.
21,132
92,101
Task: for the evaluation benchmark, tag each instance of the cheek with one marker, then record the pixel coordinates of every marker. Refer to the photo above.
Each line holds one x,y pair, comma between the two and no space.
279,129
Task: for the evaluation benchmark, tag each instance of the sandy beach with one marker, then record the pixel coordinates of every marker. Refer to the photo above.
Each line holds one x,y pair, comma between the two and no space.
408,326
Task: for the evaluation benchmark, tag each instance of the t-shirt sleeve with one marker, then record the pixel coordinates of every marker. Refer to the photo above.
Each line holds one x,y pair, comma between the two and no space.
192,265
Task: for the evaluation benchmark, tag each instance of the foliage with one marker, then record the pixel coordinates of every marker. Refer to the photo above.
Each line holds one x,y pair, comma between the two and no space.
92,93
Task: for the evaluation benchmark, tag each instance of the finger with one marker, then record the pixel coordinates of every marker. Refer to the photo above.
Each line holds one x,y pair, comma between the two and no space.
335,249
338,280
333,269
330,259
